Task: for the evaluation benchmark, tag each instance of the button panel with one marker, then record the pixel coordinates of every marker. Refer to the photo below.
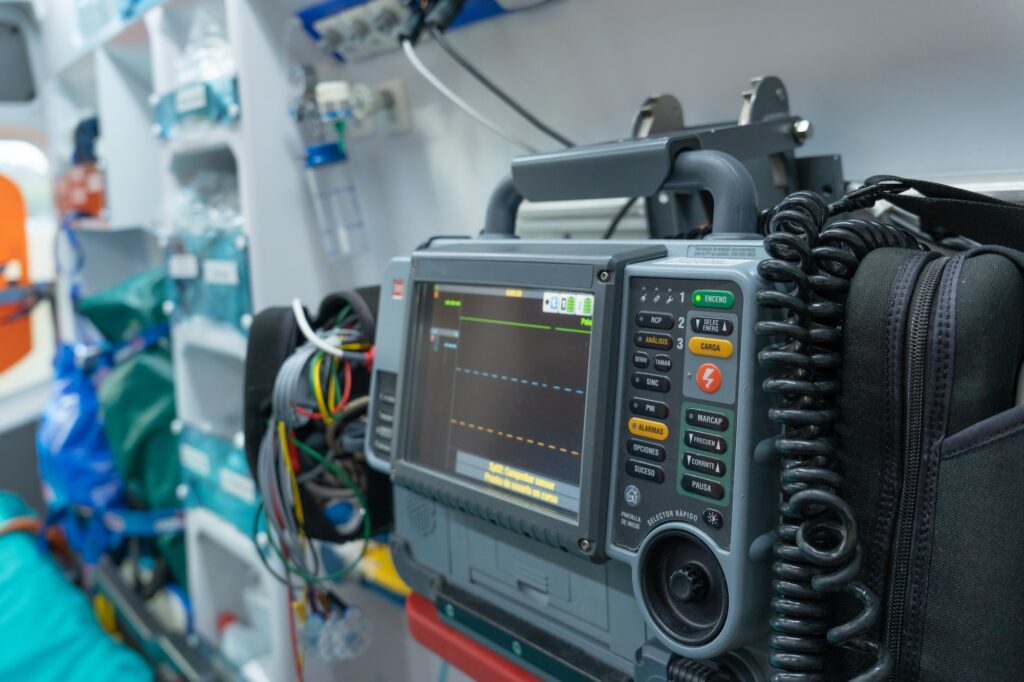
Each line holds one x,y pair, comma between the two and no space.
677,425
383,418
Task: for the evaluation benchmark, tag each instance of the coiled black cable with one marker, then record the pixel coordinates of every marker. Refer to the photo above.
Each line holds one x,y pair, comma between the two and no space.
817,553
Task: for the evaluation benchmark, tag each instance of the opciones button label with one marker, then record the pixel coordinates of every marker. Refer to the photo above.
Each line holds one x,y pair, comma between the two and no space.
715,348
638,448
713,298
647,428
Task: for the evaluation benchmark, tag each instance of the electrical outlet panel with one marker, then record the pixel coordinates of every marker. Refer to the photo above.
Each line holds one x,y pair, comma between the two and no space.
355,30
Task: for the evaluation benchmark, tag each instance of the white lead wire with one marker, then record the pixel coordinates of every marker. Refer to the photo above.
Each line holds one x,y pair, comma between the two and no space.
410,53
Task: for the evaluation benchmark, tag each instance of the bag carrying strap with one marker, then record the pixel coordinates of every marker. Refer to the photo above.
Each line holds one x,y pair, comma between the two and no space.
982,218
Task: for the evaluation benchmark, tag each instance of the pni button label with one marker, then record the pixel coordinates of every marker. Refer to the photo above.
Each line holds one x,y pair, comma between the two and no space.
713,298
715,348
647,428
648,408
704,465
706,442
712,325
650,340
706,419
648,472
703,487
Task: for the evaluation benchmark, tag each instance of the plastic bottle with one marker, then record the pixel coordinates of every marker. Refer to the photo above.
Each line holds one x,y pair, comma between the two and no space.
240,643
336,205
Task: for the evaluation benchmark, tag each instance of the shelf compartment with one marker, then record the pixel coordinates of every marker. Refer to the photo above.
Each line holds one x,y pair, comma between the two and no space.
216,476
209,277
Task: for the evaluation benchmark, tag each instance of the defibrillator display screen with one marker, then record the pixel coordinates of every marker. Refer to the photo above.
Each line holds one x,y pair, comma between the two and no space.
499,389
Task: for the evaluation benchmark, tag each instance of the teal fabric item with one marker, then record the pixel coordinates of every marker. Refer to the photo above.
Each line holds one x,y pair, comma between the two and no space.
47,629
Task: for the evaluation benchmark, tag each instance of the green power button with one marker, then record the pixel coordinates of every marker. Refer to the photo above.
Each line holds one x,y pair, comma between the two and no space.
711,298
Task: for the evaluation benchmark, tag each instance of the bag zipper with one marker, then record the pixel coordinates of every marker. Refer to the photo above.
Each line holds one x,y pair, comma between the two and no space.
917,349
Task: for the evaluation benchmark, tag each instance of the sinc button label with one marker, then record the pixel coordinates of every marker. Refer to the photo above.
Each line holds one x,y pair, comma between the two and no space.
647,428
713,298
651,340
715,348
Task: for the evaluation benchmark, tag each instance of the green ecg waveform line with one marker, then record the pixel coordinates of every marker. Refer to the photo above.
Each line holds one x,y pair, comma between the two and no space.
526,325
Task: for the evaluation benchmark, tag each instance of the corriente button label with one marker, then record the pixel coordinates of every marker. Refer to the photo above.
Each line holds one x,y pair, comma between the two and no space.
715,348
704,465
648,428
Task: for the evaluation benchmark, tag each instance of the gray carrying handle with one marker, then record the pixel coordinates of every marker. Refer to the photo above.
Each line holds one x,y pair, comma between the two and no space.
728,181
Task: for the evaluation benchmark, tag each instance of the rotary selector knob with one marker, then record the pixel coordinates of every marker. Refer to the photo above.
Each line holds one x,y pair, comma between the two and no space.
689,584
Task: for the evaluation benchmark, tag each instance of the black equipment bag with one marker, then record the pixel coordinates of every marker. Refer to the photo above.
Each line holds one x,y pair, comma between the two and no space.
898,375
933,456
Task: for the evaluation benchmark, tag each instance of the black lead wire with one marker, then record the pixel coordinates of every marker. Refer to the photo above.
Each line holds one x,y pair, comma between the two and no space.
442,40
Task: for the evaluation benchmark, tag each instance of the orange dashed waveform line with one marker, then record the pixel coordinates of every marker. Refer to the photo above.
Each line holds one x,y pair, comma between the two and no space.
512,436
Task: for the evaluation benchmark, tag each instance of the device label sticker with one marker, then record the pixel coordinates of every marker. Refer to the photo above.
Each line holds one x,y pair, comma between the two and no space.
398,289
222,272
190,98
183,266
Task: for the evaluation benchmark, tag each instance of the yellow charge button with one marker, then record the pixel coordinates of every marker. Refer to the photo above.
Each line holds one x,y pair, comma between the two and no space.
715,348
648,429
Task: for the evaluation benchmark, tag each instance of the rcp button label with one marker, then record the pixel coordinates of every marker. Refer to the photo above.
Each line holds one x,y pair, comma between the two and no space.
655,320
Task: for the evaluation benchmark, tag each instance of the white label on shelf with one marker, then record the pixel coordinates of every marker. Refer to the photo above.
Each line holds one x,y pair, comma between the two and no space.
218,271
190,98
238,485
194,460
183,266
704,261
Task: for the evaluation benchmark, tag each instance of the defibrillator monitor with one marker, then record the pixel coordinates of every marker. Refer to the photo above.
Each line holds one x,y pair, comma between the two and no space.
500,389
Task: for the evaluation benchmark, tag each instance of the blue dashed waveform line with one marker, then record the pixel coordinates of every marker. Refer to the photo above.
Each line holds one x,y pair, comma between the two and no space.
517,380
